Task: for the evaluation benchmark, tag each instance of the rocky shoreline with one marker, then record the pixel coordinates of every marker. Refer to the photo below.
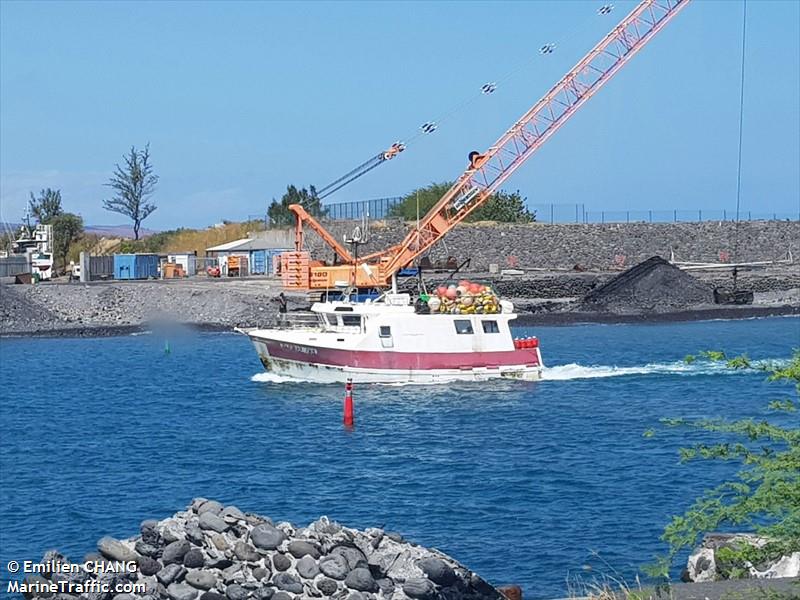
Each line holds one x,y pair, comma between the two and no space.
215,552
541,298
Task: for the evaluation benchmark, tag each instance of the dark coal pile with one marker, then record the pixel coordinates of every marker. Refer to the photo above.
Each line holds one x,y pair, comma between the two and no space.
216,552
651,286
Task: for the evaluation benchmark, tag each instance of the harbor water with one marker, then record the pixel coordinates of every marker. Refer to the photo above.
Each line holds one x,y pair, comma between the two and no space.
527,483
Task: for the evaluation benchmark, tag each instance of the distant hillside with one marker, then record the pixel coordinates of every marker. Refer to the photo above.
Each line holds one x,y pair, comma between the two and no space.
109,231
117,231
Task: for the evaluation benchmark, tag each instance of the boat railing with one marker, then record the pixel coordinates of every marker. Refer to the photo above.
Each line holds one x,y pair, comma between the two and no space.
298,320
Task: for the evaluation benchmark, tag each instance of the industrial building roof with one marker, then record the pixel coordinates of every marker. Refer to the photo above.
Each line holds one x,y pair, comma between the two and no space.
245,245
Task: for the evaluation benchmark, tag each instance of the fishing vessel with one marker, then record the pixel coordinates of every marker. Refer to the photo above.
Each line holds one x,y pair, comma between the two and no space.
392,341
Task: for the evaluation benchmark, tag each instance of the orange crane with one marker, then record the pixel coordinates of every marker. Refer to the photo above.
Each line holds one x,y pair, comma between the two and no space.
486,170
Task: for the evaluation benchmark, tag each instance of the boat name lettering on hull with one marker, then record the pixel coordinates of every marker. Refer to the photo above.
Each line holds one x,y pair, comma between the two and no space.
297,348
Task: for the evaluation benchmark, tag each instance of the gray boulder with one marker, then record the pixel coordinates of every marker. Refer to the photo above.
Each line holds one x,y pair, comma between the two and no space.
353,556
211,506
202,580
264,593
334,566
194,534
210,521
235,592
281,562
115,550
148,525
170,573
194,559
232,514
361,579
145,549
419,587
246,552
386,585
326,586
266,536
231,574
288,583
181,591
307,567
301,548
438,571
175,552
148,566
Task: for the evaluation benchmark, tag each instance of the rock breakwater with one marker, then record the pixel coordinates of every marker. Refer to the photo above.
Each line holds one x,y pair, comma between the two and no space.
593,246
215,552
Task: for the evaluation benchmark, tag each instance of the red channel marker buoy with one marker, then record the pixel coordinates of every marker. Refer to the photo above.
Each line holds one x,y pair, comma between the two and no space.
348,404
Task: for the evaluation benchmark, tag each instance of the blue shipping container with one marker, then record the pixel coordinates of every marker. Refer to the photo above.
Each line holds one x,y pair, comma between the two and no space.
135,266
258,262
273,259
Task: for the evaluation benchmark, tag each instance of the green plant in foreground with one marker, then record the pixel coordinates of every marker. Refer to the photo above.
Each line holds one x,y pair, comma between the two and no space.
764,497
715,355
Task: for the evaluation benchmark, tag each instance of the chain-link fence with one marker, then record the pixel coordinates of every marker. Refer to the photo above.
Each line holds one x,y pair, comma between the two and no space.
378,208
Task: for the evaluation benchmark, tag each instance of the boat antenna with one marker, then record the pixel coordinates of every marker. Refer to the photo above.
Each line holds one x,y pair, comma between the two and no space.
739,165
359,236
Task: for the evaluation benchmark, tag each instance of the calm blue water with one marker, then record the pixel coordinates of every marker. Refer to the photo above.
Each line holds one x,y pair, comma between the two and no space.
520,481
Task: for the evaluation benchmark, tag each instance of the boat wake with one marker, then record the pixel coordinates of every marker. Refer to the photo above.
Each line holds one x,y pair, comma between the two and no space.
267,377
576,371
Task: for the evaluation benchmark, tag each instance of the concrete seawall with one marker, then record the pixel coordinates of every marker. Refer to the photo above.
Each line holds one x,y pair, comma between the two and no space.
592,246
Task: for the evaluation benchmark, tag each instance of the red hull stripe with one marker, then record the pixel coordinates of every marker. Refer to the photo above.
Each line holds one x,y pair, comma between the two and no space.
368,359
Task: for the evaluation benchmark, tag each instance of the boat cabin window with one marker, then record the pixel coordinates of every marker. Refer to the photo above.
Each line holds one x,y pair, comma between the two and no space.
385,331
351,320
463,326
490,327
343,309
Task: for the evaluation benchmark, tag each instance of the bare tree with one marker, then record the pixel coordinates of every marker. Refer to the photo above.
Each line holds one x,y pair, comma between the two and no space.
132,183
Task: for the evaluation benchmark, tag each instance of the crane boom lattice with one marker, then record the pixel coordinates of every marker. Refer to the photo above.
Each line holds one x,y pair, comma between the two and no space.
488,171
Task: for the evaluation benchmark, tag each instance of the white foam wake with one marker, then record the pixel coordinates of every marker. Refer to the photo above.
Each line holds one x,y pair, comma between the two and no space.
267,377
576,371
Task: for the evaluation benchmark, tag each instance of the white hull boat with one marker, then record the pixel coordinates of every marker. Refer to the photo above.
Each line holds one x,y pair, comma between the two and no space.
389,342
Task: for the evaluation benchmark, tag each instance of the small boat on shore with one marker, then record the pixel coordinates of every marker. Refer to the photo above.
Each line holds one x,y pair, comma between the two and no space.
392,341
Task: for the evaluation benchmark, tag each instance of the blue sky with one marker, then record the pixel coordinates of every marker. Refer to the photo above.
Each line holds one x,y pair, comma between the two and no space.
237,100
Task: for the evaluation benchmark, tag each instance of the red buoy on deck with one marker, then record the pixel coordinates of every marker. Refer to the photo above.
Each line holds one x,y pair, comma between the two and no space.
348,404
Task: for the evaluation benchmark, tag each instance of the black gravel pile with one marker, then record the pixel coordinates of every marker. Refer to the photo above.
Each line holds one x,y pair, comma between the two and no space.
653,285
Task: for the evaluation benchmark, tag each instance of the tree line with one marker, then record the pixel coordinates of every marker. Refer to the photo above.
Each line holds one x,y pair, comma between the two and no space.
503,207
